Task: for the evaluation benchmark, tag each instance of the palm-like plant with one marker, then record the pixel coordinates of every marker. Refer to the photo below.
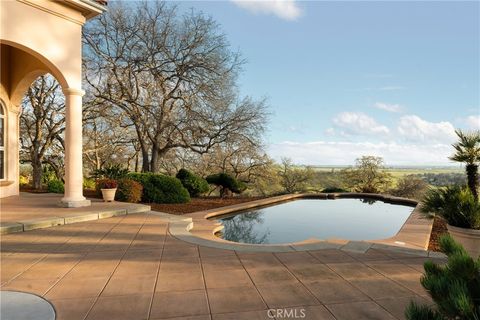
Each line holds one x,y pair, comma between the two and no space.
467,150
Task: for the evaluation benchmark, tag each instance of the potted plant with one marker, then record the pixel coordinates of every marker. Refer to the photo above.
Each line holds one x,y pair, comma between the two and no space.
108,188
461,210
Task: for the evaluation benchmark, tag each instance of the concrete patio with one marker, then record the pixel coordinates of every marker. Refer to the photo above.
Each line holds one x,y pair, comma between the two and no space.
130,267
30,211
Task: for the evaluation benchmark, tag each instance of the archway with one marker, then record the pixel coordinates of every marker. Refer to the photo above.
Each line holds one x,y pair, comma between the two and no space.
20,67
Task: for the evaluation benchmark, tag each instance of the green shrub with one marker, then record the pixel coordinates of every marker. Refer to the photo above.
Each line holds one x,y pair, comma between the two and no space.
333,190
129,191
455,287
89,184
194,184
159,188
114,172
456,205
227,183
55,186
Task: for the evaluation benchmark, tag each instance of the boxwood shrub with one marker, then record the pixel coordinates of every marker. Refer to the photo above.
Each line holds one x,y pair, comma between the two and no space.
159,188
129,191
55,186
195,185
227,183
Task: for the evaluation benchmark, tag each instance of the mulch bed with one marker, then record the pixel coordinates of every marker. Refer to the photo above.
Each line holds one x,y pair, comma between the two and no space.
200,204
32,190
439,228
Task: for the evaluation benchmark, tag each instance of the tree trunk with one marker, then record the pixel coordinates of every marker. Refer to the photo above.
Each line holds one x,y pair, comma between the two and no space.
36,172
154,160
472,177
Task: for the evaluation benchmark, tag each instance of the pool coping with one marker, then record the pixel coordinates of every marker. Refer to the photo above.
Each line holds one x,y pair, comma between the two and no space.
196,228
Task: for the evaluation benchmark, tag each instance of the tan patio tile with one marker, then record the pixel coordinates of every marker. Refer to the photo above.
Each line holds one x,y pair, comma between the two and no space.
378,288
72,309
214,252
179,304
391,267
315,313
309,272
353,270
335,291
239,299
77,288
271,275
332,256
176,281
180,252
129,284
227,278
370,255
359,311
202,317
287,295
291,259
49,269
259,260
36,286
248,315
183,264
132,307
221,263
396,306
410,281
143,262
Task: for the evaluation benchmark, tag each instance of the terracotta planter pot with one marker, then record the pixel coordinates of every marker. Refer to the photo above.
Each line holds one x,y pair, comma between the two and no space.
468,238
109,194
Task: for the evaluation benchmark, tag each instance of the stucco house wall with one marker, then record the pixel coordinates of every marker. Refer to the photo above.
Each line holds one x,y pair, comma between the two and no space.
39,37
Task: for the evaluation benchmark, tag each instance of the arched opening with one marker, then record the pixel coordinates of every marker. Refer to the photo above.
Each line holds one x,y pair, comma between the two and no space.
42,127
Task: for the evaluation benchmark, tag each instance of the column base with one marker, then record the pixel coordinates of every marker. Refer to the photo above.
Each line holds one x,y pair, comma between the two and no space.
74,203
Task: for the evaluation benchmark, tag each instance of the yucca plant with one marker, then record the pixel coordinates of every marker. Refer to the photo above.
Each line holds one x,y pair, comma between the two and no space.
455,287
455,204
467,150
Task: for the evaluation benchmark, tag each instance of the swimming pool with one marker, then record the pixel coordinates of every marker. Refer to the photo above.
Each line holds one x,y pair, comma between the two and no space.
299,220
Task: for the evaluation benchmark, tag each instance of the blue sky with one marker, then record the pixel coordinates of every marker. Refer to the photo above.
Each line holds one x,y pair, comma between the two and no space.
346,79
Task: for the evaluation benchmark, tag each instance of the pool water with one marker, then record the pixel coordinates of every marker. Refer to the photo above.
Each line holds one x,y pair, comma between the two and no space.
298,220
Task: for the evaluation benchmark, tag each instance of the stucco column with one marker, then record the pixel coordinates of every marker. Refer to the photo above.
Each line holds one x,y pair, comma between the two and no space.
73,196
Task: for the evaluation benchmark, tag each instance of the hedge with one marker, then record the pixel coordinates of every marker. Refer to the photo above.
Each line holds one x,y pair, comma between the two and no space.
159,188
195,185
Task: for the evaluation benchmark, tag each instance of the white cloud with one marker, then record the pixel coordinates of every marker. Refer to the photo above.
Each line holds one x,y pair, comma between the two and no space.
284,9
388,107
345,153
359,124
473,122
414,128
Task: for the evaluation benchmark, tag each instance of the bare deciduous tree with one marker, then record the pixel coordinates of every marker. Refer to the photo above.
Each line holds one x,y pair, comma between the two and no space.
171,76
293,178
42,124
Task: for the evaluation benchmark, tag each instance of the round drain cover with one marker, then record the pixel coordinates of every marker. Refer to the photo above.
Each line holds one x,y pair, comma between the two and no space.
24,306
